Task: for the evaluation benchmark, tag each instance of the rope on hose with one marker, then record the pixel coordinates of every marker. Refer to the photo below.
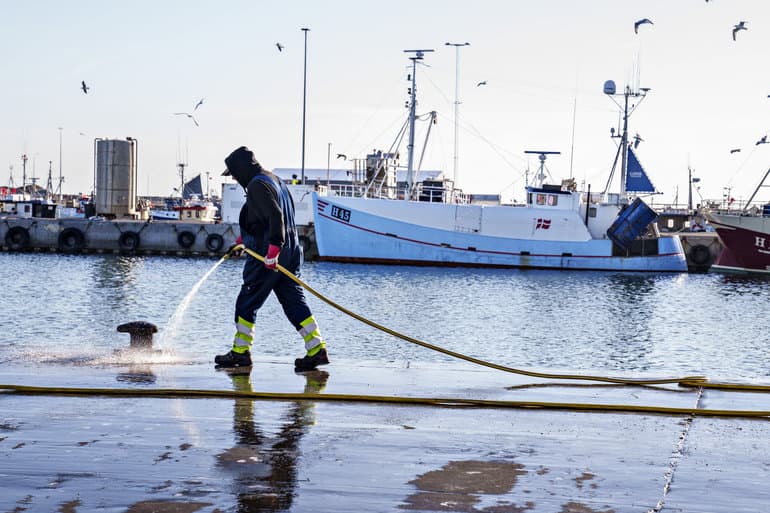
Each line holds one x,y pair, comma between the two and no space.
422,401
685,381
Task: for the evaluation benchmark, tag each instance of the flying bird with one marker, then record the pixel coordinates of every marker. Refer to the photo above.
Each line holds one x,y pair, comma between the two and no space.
84,87
762,141
735,150
641,22
200,102
342,156
483,82
188,115
279,46
740,26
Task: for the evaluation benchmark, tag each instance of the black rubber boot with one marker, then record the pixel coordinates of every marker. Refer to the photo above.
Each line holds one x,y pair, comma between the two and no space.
308,363
233,359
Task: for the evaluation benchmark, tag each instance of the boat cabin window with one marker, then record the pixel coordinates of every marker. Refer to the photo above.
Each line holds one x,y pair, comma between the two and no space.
542,198
592,212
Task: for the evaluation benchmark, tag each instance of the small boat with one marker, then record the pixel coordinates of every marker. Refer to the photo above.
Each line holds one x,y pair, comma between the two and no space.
745,235
190,208
559,227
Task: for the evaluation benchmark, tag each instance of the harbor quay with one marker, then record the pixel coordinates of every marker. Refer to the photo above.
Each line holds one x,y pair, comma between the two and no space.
133,237
125,434
113,236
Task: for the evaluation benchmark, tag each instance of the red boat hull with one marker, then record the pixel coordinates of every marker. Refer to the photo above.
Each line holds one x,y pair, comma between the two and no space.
746,241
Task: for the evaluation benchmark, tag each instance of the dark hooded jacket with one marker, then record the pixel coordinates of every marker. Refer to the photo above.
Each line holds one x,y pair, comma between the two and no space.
261,216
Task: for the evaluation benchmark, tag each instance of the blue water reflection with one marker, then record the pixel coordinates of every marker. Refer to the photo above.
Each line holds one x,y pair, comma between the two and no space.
580,321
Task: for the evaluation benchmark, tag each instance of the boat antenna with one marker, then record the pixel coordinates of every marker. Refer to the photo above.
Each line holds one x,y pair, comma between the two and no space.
455,175
572,143
542,170
417,55
638,92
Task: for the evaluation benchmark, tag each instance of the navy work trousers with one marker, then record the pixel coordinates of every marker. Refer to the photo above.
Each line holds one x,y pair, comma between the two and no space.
258,282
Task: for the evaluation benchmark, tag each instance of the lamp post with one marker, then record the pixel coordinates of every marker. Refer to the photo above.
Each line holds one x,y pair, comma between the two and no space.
457,102
304,105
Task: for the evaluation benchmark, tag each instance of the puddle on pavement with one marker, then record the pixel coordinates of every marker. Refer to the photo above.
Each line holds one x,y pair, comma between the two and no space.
167,507
461,486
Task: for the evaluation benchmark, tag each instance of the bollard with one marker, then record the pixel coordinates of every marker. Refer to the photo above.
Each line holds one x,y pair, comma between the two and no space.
141,333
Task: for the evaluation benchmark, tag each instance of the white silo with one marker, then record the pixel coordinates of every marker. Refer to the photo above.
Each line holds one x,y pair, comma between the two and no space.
115,162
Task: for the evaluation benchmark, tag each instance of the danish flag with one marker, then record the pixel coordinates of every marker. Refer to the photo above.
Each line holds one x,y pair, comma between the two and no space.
542,224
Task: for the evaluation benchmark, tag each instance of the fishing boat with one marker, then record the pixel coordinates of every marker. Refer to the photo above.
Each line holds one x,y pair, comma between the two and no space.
745,235
192,206
558,227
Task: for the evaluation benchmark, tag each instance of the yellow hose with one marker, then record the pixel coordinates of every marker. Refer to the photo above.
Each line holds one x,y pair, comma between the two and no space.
686,380
423,401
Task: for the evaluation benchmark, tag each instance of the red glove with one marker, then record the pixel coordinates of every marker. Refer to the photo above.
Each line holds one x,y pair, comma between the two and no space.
271,260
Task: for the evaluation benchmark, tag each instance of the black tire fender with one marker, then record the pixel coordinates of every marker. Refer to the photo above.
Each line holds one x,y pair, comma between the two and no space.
128,241
700,254
186,239
71,240
214,242
17,238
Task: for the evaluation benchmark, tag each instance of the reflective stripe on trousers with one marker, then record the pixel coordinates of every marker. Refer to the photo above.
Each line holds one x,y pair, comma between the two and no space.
244,335
311,334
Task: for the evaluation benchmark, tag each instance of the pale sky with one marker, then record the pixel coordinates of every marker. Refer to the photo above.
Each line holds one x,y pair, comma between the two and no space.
145,60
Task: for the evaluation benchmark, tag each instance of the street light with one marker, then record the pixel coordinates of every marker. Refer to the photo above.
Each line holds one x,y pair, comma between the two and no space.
457,102
304,104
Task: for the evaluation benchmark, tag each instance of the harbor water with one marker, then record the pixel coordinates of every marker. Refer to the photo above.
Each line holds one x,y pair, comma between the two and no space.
63,309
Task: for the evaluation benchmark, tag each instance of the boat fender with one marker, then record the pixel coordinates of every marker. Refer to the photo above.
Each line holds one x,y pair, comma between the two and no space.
71,240
700,254
17,238
128,241
214,242
186,239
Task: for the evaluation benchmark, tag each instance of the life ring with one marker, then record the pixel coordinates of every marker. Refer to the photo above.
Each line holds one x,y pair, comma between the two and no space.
214,242
71,240
700,254
128,241
186,239
17,238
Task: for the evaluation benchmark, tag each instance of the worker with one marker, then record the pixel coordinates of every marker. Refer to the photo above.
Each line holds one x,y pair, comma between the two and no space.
267,227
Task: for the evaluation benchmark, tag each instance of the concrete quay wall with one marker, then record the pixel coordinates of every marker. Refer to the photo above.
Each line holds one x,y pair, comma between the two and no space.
106,236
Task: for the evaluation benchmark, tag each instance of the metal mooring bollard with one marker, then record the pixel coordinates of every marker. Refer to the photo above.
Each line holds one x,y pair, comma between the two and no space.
141,333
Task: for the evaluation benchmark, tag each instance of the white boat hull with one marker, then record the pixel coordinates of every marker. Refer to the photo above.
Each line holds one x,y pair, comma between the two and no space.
355,230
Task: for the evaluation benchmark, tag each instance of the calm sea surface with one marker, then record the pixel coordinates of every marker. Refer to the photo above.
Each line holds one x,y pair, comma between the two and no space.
58,308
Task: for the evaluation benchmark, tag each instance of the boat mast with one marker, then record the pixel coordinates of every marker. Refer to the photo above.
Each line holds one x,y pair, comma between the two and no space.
418,55
761,184
609,90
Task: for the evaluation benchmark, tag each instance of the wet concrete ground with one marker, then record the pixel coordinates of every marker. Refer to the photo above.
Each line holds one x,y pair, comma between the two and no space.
176,454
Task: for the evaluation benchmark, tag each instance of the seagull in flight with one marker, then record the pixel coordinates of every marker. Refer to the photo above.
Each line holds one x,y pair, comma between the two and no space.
84,87
200,102
641,22
483,82
740,26
342,156
762,141
735,150
279,46
188,115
